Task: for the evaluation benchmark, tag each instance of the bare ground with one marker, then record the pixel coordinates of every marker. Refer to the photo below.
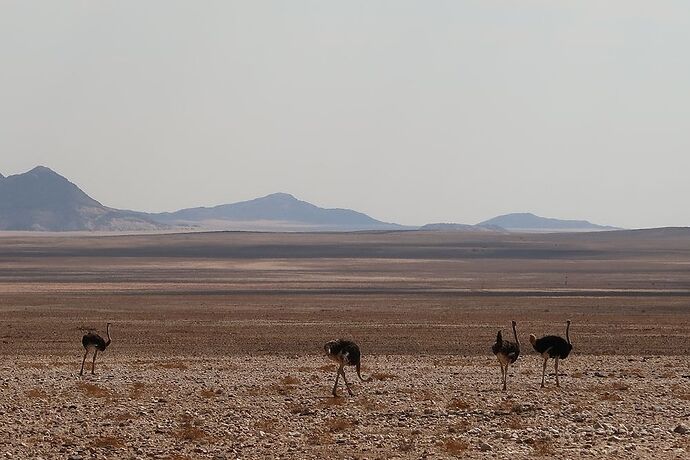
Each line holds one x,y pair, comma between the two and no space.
216,345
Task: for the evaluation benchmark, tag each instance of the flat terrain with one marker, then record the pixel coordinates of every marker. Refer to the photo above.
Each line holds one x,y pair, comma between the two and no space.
216,343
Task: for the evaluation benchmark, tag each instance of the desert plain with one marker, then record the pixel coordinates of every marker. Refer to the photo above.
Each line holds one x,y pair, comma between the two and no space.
217,345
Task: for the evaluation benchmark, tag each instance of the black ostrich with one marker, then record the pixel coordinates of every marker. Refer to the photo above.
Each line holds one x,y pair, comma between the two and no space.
95,342
344,352
552,346
507,353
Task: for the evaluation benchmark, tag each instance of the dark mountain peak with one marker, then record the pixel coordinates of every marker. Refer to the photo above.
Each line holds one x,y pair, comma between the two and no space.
42,199
279,196
42,170
43,174
42,188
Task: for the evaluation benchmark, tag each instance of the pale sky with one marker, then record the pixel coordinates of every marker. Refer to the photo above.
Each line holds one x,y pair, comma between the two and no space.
411,111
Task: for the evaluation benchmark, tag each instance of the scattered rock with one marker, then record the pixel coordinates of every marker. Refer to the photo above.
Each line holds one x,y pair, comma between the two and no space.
681,429
485,447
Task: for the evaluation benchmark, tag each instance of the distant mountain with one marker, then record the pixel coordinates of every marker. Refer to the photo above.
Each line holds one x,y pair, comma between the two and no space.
275,211
43,200
528,222
450,227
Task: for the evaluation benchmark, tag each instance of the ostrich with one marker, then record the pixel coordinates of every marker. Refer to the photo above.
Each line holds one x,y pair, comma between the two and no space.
344,352
552,346
506,352
95,342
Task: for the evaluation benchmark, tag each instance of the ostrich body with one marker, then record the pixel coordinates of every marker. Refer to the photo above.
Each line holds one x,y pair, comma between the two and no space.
507,352
345,353
552,346
93,341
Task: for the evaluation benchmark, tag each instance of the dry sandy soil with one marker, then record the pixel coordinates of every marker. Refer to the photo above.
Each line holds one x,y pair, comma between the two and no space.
216,344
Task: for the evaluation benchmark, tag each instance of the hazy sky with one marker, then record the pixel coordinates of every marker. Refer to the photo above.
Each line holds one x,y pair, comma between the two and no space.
412,112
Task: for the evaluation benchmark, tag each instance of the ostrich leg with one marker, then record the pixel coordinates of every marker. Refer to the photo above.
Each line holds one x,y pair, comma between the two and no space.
82,362
347,384
505,377
93,363
337,376
558,383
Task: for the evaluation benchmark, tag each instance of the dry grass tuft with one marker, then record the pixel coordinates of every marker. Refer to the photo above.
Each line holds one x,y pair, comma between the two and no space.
138,390
406,445
382,376
267,425
32,365
452,361
680,392
123,417
210,392
274,388
289,380
581,406
93,391
458,404
619,386
108,442
505,405
36,393
543,448
460,426
332,402
319,438
367,404
179,365
422,394
326,368
515,423
339,424
189,432
608,396
299,409
634,372
455,447
282,390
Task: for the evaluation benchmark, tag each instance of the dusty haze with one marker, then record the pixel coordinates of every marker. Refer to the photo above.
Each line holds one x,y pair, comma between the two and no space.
412,112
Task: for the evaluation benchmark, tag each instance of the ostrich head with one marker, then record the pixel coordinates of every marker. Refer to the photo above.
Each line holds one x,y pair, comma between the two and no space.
328,345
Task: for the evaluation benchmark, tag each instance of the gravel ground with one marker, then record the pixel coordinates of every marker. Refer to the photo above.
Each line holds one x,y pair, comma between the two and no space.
281,407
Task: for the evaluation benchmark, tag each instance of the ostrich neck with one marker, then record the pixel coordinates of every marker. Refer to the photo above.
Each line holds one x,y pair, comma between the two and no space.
107,331
567,333
515,335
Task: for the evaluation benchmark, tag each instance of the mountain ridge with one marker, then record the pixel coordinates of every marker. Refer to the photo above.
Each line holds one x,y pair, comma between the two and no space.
528,221
281,207
41,199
